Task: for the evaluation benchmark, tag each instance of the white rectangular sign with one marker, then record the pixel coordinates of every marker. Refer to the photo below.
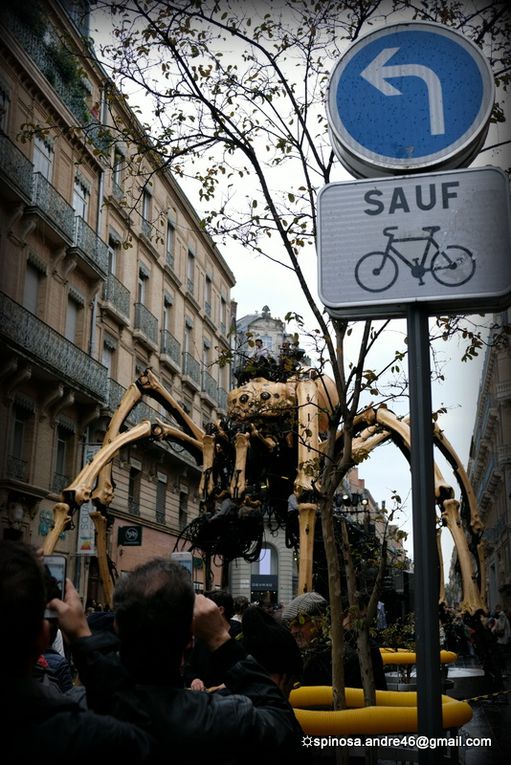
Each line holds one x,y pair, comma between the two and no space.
442,239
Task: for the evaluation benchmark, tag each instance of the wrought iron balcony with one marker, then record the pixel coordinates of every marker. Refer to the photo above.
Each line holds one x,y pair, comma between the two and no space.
69,89
160,516
191,368
146,323
59,482
51,350
133,507
17,468
115,394
170,346
58,214
209,385
15,169
222,399
115,293
91,247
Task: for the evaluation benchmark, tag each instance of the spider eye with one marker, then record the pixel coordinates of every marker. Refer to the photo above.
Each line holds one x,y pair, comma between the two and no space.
243,398
265,396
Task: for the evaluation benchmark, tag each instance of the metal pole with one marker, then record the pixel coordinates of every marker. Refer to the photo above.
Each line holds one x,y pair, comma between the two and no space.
429,689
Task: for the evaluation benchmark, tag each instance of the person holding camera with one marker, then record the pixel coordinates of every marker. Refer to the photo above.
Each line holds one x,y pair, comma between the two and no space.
37,722
138,677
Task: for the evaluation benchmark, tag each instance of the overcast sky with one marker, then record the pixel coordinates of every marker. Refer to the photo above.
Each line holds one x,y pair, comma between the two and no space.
261,282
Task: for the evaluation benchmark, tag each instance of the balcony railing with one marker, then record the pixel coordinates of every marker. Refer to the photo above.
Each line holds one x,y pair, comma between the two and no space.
51,349
209,385
115,394
222,399
170,346
71,91
91,246
115,293
17,468
146,322
58,212
191,368
504,390
16,168
160,516
141,411
59,482
133,507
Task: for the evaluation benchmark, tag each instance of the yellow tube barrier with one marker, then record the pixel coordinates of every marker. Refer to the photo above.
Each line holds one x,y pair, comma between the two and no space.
395,712
402,656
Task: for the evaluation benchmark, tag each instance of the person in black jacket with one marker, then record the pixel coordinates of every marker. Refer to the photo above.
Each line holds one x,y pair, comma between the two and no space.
199,672
37,722
156,613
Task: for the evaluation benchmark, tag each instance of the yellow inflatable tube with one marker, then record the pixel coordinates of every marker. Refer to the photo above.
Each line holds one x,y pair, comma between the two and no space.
395,712
402,656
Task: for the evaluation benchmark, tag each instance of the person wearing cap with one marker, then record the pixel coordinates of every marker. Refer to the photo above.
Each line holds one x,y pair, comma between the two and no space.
307,618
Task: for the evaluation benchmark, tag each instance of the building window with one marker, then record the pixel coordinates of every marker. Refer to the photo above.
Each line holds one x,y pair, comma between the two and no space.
134,482
190,271
62,456
108,355
143,276
207,296
43,157
206,354
31,288
72,320
223,316
117,173
161,493
17,464
170,243
147,204
81,198
4,109
188,338
114,245
183,509
167,313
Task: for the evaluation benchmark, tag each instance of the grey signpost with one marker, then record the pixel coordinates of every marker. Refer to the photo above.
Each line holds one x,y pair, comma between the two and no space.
403,100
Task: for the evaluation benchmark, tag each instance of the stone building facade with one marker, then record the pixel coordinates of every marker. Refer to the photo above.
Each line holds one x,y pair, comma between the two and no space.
104,272
489,468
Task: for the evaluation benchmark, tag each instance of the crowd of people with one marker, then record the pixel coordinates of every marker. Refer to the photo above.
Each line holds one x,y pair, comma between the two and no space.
169,670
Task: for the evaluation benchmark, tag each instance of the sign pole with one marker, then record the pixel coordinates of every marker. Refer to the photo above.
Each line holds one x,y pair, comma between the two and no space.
429,690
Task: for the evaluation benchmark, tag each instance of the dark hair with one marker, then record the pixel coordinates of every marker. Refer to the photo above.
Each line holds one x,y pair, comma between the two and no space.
240,604
224,599
153,611
270,643
22,602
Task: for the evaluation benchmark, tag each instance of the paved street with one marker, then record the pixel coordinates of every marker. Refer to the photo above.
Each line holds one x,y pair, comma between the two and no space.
492,718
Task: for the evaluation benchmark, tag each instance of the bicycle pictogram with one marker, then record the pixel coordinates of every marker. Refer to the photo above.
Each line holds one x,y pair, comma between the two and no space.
451,266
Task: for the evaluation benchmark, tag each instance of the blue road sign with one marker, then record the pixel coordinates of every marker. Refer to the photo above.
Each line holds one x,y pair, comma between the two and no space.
408,98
